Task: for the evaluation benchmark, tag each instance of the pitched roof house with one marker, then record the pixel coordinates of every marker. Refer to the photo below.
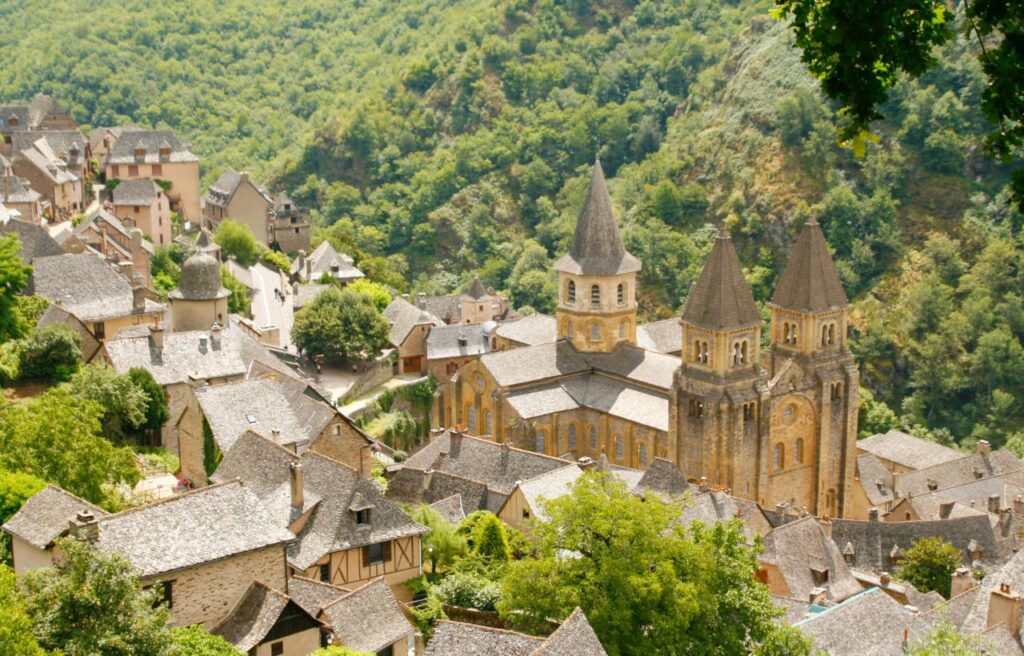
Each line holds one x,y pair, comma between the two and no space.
158,155
268,621
46,516
370,619
574,637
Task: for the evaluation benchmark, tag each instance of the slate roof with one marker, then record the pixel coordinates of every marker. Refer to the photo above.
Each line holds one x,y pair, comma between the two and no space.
18,112
312,595
549,485
329,489
183,357
664,478
443,341
98,215
42,106
368,619
85,285
907,450
258,405
198,527
306,293
1010,573
497,466
953,473
62,143
35,239
459,639
619,399
15,190
48,163
476,290
714,506
404,316
637,365
664,336
597,247
574,637
199,279
123,150
873,542
135,192
227,184
253,616
321,260
46,516
798,546
872,622
721,298
534,363
810,283
530,330
450,508
875,479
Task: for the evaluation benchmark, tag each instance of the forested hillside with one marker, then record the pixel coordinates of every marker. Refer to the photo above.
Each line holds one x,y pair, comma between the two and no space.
441,139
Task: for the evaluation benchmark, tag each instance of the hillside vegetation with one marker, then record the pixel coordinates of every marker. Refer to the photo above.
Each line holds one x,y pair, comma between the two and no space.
441,139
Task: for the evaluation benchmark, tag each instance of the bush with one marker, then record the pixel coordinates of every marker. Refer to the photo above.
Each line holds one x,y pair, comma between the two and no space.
52,353
236,239
468,591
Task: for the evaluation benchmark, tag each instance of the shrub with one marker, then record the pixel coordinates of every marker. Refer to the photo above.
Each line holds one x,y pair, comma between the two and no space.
52,353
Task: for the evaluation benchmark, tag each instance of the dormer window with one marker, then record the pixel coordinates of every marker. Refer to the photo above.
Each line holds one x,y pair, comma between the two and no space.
363,517
12,122
140,153
165,152
820,575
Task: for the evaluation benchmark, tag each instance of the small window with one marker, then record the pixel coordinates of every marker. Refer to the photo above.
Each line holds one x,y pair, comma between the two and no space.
779,456
471,419
570,292
593,438
325,573
622,330
595,332
99,329
168,590
643,454
798,452
526,513
487,422
277,648
376,553
620,294
133,170
337,429
619,448
572,436
363,517
135,208
115,170
595,295
541,441
12,122
696,408
140,152
158,169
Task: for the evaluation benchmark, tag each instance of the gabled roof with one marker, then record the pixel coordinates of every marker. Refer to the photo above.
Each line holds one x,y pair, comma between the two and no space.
450,508
227,184
404,316
46,516
42,157
664,336
62,143
550,485
721,298
255,614
597,247
312,595
208,524
86,286
368,619
15,190
443,342
810,282
574,637
35,239
534,363
135,192
530,330
329,490
183,357
875,479
151,141
259,405
908,450
953,473
715,506
871,622
320,262
798,546
664,478
459,639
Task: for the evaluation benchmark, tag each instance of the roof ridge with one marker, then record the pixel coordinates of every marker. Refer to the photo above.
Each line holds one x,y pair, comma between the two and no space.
491,629
177,497
379,579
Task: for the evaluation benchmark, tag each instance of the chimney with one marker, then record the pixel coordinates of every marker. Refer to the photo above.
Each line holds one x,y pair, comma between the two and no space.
962,582
84,526
138,295
156,336
885,579
873,514
275,434
215,335
1004,608
463,340
993,503
826,526
456,441
1005,515
818,596
297,489
704,484
984,448
945,509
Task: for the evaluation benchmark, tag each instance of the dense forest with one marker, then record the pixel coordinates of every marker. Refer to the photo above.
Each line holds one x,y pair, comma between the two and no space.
441,138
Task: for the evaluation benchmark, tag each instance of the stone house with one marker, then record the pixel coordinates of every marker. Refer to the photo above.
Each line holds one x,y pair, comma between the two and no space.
800,561
529,331
347,531
526,502
290,226
157,155
42,114
475,305
17,195
46,516
143,205
901,452
574,636
267,622
200,299
54,167
409,329
324,261
118,242
451,347
35,239
274,221
370,619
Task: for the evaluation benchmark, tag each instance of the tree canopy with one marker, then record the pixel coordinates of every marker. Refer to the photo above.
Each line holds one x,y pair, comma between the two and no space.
236,240
930,564
340,324
14,276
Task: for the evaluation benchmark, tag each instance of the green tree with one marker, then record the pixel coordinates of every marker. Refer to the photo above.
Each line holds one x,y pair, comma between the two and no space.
16,636
341,324
15,489
13,277
490,541
91,604
123,402
52,353
238,301
339,651
157,411
945,640
442,546
196,641
236,239
274,258
692,588
378,292
874,417
930,564
57,437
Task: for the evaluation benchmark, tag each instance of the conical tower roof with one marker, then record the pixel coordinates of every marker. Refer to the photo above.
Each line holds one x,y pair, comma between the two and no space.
597,248
810,282
476,290
721,298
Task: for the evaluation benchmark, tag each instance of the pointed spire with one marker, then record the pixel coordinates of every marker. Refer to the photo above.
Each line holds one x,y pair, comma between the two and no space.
476,290
810,282
721,298
597,247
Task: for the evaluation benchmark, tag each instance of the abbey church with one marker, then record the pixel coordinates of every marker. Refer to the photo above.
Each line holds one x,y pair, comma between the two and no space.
774,425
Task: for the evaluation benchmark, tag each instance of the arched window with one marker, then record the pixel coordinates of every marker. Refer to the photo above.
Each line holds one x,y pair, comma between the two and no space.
620,295
779,456
619,449
798,452
743,352
541,441
622,330
790,333
471,419
570,292
595,295
593,438
595,332
487,422
703,353
643,454
572,436
824,335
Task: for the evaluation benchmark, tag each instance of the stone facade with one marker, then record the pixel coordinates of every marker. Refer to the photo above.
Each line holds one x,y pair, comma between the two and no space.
341,442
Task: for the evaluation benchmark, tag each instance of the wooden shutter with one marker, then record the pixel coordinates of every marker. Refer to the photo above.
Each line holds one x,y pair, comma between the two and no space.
366,556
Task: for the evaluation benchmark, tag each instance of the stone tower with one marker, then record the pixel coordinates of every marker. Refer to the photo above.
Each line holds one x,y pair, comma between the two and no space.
812,413
199,300
597,278
718,381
